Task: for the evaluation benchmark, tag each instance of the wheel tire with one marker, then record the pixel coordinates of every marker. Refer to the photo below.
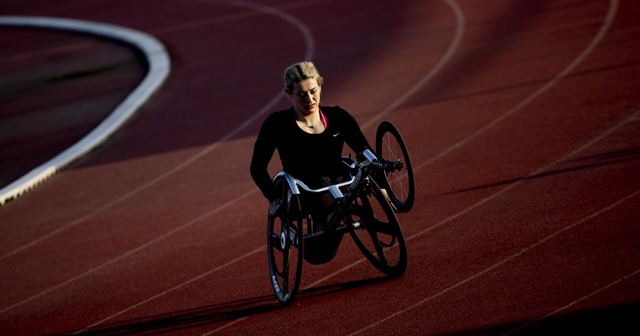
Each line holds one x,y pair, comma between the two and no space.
400,185
285,248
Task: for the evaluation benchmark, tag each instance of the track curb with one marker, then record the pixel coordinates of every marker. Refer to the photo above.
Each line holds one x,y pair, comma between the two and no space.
159,66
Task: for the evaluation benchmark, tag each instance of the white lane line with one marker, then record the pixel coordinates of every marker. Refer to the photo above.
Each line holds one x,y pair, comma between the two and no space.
172,289
161,177
224,326
451,50
573,303
159,68
604,28
613,9
309,42
498,264
588,144
309,52
130,252
303,28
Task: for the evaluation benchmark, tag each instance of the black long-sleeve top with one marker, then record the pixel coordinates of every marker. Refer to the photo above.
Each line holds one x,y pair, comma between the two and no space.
307,157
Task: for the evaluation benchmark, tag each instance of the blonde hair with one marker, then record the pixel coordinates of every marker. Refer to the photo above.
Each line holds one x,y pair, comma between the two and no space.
298,72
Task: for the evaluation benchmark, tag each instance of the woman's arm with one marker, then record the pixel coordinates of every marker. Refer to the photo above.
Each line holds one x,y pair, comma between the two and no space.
354,137
263,150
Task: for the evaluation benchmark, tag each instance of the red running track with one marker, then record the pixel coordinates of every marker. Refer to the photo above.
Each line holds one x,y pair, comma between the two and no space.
522,121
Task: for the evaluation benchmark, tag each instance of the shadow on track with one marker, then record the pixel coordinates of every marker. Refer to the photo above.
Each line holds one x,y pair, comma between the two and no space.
214,314
309,293
190,318
618,319
584,163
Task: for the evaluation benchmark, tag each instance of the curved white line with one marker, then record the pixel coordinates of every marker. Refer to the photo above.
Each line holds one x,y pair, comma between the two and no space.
451,50
159,68
613,8
309,42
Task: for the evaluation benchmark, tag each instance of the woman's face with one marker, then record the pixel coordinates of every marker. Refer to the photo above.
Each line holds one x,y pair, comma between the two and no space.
306,96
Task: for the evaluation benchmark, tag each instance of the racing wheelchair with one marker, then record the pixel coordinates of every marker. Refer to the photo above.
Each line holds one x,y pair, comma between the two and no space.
365,206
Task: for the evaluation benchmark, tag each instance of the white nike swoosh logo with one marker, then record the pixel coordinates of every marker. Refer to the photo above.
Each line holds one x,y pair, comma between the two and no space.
335,135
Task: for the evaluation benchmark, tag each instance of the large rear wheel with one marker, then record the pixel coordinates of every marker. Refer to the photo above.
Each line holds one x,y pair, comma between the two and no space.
285,246
377,232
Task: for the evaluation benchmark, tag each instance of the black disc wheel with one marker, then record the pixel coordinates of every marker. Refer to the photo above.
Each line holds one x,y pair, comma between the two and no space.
397,179
285,247
376,231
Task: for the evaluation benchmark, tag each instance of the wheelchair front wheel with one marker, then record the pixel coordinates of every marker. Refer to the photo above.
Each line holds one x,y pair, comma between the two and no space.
378,235
285,249
398,179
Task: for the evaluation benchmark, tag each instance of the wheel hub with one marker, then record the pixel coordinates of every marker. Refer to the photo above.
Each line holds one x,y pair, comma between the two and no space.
283,240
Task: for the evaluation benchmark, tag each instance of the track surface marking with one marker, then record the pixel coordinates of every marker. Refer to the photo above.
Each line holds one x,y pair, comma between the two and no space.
521,118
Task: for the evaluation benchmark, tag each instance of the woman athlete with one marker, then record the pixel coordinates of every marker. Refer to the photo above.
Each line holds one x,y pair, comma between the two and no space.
309,139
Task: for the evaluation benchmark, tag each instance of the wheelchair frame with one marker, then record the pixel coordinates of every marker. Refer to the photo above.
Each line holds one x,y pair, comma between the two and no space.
366,210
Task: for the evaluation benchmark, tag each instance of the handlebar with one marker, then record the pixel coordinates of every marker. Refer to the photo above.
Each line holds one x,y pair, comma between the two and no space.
358,170
362,170
371,159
